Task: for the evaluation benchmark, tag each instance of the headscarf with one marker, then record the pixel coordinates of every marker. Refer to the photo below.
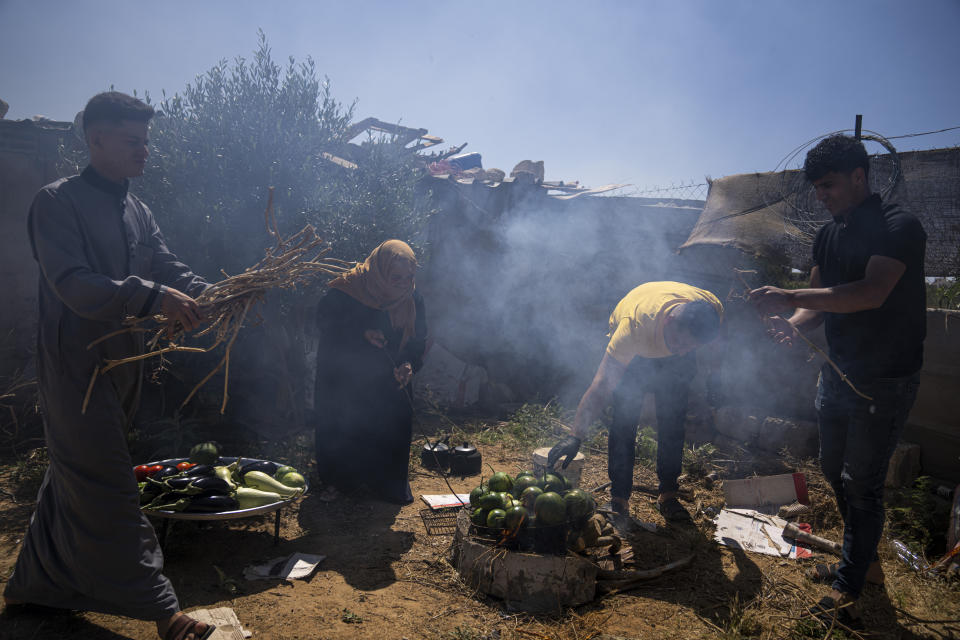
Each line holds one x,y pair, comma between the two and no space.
369,284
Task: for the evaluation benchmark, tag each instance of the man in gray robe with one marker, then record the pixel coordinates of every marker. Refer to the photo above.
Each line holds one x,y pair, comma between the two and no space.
102,258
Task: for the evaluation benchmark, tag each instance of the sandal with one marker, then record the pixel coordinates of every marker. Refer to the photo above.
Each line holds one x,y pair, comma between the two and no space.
672,510
831,615
183,625
827,573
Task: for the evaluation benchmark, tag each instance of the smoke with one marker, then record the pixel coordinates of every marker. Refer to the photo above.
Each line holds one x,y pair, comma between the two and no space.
524,284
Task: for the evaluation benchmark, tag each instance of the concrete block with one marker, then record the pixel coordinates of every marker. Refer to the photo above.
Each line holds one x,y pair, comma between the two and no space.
799,437
737,424
904,466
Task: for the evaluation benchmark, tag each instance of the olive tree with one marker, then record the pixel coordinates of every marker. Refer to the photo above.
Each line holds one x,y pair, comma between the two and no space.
240,128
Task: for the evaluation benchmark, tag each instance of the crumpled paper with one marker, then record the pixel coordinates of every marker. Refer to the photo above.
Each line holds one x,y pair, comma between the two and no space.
295,566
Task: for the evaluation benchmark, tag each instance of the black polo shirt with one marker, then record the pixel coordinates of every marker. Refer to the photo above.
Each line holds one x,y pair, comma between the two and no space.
886,342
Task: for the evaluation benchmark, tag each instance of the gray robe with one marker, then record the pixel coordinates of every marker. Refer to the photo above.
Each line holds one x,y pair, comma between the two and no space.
101,257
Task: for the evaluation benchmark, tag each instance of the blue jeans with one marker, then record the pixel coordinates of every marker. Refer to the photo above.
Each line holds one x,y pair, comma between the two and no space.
857,438
669,381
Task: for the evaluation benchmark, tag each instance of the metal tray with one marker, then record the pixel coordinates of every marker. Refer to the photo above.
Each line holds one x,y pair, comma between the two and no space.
220,515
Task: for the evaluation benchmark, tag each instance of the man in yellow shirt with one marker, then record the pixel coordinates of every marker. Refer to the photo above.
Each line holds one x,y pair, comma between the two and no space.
653,333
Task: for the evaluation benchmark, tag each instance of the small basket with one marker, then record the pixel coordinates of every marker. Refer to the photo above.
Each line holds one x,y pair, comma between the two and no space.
440,522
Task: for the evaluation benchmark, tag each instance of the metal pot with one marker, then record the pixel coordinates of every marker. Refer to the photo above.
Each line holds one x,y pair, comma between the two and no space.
465,460
435,456
466,449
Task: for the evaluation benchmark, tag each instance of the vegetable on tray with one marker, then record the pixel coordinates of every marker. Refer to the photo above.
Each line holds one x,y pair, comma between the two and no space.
201,487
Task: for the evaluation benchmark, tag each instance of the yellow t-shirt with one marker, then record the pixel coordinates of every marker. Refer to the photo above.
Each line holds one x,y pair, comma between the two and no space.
636,324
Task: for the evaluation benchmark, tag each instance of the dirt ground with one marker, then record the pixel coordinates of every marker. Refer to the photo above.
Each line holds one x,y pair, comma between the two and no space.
384,577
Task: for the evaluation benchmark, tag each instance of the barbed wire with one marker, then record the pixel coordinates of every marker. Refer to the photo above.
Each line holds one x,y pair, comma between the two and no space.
683,190
925,133
796,191
792,187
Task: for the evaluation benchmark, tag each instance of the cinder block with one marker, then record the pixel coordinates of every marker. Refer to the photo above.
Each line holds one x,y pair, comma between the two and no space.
799,437
904,465
737,424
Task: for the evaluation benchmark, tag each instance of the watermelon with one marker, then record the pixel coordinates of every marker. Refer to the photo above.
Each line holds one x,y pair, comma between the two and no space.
578,504
293,479
479,517
490,501
522,482
529,497
205,453
515,519
282,471
495,518
500,481
507,500
550,509
475,495
551,482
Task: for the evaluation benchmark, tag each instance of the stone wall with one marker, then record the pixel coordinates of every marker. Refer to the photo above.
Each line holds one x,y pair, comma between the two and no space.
28,160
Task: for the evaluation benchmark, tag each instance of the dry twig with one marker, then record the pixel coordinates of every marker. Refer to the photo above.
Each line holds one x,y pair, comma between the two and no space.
739,273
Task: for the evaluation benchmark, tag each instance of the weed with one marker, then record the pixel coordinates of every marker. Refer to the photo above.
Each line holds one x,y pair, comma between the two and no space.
918,518
530,426
646,447
814,629
29,470
463,633
740,622
350,617
697,460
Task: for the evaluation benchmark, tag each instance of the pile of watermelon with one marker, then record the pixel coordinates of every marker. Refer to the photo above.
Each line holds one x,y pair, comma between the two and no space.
503,507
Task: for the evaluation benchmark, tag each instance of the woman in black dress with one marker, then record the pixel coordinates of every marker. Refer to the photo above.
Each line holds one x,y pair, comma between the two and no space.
372,340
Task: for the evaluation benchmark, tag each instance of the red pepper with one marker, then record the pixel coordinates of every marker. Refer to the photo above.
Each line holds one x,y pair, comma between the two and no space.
141,472
183,466
153,469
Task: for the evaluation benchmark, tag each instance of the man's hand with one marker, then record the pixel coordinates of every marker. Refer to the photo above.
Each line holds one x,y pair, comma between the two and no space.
772,300
403,374
375,337
179,308
569,447
780,329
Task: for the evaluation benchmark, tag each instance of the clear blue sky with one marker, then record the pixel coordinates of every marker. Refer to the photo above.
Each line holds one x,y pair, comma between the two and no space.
645,92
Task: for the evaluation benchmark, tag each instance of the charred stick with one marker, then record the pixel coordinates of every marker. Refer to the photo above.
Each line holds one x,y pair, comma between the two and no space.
739,273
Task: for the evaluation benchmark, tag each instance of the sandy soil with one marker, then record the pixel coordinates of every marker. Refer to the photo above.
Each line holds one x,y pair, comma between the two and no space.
385,578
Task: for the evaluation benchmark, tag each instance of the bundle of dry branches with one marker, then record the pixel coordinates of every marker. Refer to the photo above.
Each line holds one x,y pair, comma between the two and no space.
225,305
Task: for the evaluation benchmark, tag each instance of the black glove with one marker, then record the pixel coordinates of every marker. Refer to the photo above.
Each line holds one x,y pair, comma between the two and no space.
569,447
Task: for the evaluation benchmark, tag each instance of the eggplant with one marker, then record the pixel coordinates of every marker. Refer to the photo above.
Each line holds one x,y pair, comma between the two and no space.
199,470
211,502
264,466
167,471
211,484
178,483
148,494
161,500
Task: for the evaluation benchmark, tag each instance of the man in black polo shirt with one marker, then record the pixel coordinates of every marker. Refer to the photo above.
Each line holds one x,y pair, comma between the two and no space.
867,285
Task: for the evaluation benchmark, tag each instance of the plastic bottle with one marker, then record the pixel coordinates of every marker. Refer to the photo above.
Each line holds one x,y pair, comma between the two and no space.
908,557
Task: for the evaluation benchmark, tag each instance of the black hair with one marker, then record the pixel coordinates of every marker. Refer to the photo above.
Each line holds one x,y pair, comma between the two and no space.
700,319
114,107
838,153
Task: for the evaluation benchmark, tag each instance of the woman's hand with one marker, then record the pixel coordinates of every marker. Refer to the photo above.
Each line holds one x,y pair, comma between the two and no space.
375,337
403,374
